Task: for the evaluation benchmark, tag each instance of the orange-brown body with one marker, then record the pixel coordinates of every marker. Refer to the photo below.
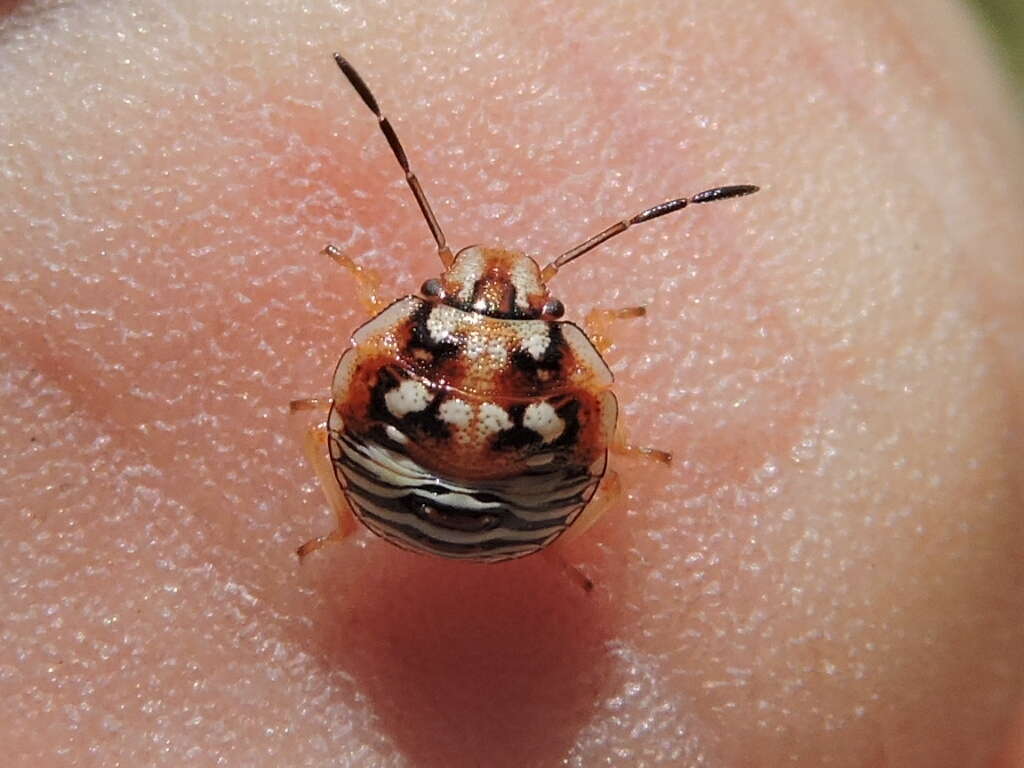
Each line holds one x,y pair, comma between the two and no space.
455,432
470,422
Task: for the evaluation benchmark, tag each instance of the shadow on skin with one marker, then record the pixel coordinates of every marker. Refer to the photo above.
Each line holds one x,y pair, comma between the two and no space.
465,664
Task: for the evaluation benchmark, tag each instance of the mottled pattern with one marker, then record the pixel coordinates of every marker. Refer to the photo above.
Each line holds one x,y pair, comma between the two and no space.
469,436
495,282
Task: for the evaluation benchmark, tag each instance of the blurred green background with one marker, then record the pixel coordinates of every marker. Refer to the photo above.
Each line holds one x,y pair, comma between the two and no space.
1005,20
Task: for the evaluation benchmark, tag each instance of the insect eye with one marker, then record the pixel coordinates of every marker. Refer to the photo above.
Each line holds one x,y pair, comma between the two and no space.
432,287
553,308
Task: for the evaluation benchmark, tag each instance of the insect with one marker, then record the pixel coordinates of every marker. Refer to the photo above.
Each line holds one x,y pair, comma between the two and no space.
470,421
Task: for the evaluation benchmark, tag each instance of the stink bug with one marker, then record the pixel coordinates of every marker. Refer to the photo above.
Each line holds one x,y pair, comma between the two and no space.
470,421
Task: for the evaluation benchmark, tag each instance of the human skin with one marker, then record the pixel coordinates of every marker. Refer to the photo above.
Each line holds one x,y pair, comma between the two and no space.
830,572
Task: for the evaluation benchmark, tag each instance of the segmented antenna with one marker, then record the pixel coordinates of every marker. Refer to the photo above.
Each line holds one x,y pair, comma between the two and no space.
707,196
396,147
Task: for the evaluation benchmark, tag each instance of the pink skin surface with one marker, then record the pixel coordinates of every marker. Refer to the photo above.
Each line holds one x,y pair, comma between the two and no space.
830,573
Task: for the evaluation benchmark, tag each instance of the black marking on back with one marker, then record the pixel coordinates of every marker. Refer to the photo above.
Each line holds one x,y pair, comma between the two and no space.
480,306
421,339
569,413
388,377
425,423
377,433
550,361
454,519
518,436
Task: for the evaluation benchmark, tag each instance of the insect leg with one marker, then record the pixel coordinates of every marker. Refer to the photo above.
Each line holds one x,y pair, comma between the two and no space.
308,404
623,447
367,280
597,322
576,576
610,493
315,448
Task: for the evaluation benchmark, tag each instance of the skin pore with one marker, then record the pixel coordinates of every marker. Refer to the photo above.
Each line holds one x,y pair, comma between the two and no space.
830,572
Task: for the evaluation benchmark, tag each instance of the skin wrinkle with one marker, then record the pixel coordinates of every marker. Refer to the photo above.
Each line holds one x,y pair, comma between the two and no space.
161,278
846,80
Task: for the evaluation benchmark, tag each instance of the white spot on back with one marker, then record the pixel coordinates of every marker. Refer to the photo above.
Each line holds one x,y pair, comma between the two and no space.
408,397
493,418
542,419
533,337
486,347
455,412
442,323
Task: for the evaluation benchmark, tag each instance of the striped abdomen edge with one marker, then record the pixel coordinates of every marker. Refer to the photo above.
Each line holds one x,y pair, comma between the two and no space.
496,519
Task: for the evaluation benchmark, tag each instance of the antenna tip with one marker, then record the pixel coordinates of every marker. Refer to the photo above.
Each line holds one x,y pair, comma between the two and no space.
722,193
343,64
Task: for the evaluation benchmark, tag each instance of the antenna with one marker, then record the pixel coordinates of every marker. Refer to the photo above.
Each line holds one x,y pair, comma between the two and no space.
396,146
707,196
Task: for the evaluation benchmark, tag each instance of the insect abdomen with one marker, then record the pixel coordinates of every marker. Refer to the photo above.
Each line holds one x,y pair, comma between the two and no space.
486,519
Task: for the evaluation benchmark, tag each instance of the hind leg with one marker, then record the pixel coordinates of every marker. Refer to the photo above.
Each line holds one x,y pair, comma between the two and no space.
609,495
315,447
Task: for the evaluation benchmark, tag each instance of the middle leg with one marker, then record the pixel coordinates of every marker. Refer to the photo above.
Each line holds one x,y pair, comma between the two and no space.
597,324
623,447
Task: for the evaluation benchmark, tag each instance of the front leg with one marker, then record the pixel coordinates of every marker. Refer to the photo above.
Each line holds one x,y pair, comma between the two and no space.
367,280
597,323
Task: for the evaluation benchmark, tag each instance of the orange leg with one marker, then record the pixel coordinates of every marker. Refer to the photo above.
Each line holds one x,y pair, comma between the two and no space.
315,448
598,321
623,447
367,280
574,574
